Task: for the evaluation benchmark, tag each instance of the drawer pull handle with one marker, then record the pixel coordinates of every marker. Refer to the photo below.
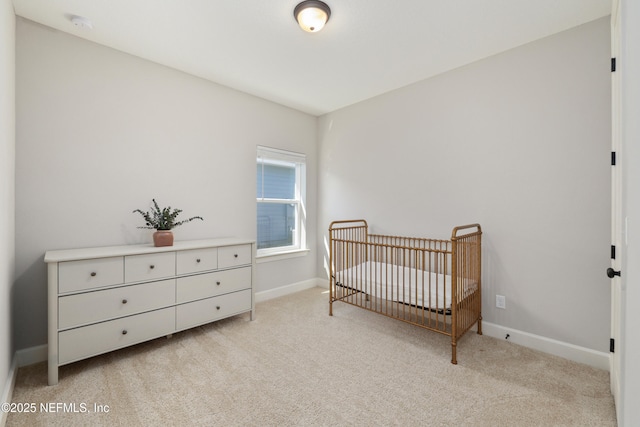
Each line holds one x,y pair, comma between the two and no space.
93,274
218,283
124,301
198,260
124,332
152,266
217,307
235,255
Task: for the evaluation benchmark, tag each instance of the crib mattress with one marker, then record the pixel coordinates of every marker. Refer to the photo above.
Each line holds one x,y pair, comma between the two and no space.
403,284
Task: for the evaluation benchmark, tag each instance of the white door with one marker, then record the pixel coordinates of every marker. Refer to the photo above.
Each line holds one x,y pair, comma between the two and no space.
616,208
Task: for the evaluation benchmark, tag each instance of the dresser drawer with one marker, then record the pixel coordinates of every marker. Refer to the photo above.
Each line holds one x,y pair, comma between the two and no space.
89,274
207,310
87,341
196,260
207,285
149,266
232,256
97,306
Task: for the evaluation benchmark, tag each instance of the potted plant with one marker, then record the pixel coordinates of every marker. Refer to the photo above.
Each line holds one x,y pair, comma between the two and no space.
163,221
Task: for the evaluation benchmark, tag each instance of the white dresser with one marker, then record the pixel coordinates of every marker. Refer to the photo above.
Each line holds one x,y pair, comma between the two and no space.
103,299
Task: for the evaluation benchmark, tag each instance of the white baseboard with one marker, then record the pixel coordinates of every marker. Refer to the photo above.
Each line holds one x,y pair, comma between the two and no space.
286,290
25,357
31,355
572,352
578,354
8,389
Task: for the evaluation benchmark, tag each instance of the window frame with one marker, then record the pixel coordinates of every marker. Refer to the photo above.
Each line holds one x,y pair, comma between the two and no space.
274,156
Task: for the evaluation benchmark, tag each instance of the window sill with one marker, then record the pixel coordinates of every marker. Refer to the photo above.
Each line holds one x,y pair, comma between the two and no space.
281,255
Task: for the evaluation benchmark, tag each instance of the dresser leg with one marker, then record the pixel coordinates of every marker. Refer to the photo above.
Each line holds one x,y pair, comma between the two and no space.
53,374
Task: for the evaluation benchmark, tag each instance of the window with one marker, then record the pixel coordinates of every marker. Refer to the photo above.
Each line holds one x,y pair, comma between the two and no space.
280,195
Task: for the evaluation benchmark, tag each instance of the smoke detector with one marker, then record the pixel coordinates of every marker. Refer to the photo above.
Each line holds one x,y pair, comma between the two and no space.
81,22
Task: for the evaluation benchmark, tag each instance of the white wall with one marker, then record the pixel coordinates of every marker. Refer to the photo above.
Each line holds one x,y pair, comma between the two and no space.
518,142
7,181
100,133
630,156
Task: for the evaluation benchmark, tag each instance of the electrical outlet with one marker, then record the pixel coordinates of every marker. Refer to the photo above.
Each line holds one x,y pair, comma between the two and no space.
501,301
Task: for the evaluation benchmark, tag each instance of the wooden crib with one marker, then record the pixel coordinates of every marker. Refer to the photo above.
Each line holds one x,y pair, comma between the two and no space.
434,284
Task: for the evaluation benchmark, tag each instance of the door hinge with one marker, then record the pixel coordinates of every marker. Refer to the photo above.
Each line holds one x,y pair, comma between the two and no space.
613,65
613,158
612,345
613,251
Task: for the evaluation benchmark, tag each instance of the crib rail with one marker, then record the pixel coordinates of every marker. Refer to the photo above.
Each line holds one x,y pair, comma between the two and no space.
466,269
432,283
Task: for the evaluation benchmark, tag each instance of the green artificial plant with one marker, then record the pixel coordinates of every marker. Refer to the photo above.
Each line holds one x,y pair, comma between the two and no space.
163,219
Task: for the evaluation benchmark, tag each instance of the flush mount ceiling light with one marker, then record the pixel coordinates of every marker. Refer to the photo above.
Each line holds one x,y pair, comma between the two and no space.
312,15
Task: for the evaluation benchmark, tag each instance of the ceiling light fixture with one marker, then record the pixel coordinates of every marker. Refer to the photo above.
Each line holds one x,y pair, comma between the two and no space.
312,15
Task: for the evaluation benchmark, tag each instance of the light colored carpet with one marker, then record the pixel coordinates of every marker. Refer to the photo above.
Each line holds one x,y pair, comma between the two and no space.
297,366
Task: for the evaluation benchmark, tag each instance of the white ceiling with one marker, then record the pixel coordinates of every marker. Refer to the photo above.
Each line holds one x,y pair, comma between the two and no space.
367,48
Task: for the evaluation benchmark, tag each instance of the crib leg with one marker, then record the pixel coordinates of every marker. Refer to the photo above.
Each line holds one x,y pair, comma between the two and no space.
330,308
454,359
480,325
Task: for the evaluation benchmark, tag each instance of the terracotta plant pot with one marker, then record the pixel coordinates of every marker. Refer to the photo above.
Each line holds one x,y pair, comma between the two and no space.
163,238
